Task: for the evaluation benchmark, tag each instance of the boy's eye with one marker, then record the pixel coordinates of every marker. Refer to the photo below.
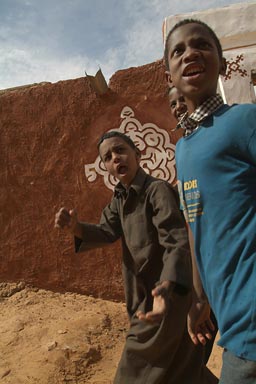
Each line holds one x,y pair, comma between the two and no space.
177,51
173,104
107,157
204,44
120,150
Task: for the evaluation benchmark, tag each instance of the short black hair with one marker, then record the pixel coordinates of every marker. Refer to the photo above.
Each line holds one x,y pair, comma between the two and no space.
110,134
190,21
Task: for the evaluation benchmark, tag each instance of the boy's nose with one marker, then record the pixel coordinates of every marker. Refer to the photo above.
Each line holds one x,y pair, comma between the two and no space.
116,157
191,54
180,106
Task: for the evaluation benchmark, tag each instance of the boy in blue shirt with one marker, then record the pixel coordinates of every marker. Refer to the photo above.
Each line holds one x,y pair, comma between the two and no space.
178,109
216,166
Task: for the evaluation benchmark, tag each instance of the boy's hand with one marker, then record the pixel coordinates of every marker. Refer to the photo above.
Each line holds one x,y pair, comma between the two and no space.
161,296
200,326
66,219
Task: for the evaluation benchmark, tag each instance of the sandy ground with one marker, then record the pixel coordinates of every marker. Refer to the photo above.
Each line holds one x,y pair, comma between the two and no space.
53,338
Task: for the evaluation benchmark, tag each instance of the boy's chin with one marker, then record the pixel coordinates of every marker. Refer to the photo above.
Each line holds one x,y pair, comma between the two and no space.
122,178
190,89
125,181
198,88
195,94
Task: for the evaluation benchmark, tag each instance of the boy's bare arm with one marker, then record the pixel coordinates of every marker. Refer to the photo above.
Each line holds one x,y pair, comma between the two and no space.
197,284
200,326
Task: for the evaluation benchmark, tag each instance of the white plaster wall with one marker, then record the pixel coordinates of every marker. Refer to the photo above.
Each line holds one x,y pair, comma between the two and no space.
237,83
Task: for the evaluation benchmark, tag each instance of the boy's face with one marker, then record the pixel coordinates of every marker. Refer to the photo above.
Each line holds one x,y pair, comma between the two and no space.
120,159
177,103
194,62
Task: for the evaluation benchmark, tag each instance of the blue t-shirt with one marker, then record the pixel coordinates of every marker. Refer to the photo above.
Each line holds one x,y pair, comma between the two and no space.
216,167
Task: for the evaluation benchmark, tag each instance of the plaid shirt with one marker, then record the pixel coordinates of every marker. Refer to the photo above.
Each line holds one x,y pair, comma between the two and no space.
190,123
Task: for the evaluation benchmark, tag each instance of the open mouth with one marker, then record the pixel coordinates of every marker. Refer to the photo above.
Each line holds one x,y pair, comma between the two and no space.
193,70
121,169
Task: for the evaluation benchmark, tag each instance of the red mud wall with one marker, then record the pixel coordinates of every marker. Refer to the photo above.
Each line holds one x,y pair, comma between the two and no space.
48,133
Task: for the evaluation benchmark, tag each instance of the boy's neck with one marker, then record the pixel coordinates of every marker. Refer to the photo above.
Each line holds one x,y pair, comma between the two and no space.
194,102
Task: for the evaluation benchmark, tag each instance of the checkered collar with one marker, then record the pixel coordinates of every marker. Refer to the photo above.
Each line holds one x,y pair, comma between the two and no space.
190,123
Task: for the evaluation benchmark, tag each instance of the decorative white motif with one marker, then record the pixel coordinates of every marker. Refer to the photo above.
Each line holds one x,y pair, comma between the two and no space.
157,152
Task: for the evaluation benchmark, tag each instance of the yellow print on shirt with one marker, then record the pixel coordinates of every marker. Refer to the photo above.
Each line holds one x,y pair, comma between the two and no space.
190,184
190,199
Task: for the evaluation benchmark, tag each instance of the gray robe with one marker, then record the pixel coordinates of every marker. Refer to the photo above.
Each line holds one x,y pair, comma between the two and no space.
155,248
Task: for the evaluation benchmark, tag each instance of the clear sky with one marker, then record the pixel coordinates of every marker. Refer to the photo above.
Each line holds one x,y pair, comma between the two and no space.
52,40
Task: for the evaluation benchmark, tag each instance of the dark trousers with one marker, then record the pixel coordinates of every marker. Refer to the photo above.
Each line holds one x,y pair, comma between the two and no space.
236,370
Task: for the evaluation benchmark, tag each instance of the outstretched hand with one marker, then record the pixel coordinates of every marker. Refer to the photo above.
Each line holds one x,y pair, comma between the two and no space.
161,296
200,326
66,219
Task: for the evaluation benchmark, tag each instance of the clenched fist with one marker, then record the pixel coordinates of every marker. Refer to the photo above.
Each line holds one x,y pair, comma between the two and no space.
65,218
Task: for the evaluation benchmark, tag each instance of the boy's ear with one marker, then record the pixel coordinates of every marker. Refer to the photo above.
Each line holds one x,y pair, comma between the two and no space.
223,67
168,78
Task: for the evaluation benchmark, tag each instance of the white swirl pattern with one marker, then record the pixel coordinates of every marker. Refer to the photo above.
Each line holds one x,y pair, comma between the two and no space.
157,152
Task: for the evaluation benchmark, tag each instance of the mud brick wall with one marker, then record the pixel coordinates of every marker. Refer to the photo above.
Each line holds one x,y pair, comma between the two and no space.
48,132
